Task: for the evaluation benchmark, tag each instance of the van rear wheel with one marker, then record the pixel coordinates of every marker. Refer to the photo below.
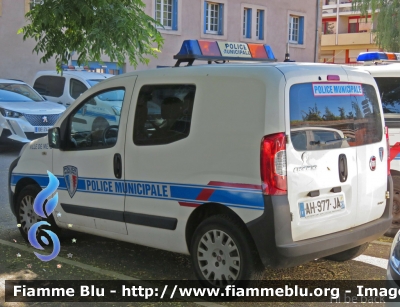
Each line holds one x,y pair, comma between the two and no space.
222,254
349,254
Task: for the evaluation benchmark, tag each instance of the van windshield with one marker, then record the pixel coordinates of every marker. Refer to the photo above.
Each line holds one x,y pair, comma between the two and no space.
326,120
389,88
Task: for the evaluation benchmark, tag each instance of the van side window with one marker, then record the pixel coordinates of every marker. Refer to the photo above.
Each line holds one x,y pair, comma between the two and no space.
163,113
76,88
94,124
52,86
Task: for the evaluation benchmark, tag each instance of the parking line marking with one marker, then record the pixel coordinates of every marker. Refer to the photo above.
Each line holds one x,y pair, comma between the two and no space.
378,262
108,273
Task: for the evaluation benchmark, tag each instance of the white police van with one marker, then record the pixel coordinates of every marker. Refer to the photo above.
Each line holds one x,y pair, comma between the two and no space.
238,165
385,68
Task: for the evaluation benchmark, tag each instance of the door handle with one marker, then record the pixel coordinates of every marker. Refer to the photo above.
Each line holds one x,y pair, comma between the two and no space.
343,171
117,166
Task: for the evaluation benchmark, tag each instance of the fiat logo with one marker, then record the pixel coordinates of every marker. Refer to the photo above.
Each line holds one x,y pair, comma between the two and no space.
372,163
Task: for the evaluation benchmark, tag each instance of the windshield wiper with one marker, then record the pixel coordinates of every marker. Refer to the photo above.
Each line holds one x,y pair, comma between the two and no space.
330,141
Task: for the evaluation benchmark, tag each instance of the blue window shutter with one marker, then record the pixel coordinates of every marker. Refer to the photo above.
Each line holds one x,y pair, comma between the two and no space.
205,16
301,30
248,25
261,25
175,15
221,20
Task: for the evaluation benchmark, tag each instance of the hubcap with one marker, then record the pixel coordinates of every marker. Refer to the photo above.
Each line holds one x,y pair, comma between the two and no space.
27,216
218,258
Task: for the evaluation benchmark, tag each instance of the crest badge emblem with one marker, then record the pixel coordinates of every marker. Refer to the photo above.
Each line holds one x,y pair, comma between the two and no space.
71,179
381,151
44,119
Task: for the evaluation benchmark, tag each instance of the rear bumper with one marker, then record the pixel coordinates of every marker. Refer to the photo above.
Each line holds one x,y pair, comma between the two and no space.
272,235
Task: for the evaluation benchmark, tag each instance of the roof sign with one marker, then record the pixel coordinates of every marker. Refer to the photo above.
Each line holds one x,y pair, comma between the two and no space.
337,89
223,51
240,50
378,56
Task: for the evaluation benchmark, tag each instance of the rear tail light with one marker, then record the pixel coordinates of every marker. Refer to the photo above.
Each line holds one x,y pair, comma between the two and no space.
273,164
388,149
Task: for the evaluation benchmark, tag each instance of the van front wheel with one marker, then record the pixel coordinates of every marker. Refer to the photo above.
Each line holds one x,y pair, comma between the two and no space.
221,252
26,216
348,254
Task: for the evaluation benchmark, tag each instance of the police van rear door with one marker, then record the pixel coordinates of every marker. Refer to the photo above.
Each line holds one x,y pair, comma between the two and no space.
328,129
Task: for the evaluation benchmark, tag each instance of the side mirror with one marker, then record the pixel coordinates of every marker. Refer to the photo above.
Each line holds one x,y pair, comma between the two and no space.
54,137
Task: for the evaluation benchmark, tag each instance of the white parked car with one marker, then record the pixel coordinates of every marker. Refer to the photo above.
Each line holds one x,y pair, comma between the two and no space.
24,114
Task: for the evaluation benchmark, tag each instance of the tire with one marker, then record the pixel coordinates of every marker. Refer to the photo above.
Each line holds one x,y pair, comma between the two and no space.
26,217
213,264
395,226
348,254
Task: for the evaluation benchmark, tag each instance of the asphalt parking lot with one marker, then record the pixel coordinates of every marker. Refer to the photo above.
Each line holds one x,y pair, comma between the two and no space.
87,257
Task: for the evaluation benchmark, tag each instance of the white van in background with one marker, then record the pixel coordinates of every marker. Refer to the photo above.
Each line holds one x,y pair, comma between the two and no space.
385,68
101,112
65,88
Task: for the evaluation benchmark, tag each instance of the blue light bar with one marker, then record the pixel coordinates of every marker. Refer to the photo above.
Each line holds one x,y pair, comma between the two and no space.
378,56
223,51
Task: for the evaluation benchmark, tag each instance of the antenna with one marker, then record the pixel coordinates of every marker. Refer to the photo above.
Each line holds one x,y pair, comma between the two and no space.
287,54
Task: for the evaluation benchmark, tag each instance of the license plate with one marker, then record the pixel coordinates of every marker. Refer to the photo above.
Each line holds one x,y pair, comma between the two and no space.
42,129
321,206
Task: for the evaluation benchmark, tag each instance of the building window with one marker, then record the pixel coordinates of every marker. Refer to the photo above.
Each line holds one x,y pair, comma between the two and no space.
296,29
166,13
253,22
329,26
247,22
359,25
213,18
260,24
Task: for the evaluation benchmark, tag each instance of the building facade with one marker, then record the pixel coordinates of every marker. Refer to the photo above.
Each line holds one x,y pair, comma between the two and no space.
345,33
274,22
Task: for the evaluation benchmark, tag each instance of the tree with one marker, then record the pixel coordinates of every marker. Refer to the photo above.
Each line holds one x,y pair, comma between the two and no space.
387,15
117,28
329,115
342,113
313,114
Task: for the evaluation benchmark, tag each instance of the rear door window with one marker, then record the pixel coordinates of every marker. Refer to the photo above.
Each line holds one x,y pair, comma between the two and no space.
324,120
